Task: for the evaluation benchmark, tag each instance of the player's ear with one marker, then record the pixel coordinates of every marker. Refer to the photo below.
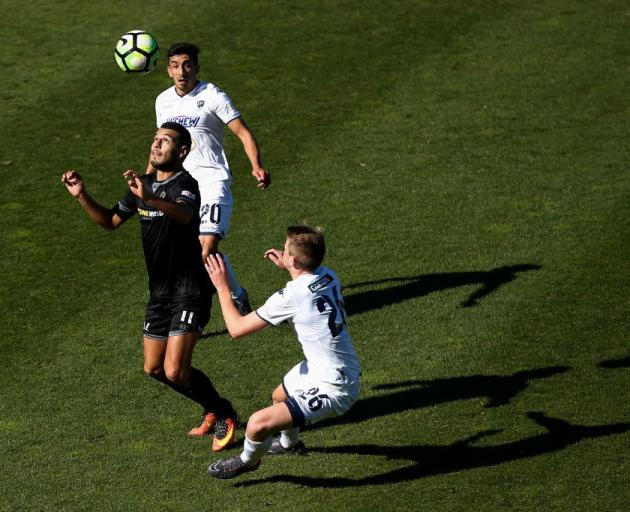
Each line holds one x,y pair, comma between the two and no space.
183,152
292,262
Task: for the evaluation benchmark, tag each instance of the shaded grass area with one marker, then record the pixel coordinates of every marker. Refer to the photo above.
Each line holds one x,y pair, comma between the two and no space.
468,162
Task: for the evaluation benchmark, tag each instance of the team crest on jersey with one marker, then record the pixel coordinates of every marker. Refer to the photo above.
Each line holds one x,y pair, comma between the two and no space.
200,103
322,282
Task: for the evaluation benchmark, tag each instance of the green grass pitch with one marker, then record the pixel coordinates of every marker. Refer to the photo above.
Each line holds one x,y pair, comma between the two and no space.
469,163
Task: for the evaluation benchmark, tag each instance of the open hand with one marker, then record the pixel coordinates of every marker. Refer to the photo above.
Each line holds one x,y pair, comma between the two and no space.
276,257
215,266
136,186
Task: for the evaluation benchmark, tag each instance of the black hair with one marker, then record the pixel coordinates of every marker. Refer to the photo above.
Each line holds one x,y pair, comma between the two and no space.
183,135
184,49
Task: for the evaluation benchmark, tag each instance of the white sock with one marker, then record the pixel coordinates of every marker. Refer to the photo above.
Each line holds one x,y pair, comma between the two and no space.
254,450
289,438
235,286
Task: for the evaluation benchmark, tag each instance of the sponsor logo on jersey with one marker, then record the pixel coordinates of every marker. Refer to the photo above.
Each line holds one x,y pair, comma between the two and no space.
322,282
149,214
185,121
189,195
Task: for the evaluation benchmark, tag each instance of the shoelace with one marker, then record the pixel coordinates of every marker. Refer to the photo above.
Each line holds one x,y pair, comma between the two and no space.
221,429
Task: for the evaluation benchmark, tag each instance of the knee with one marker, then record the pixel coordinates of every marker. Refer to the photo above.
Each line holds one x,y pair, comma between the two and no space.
155,372
258,426
279,395
177,375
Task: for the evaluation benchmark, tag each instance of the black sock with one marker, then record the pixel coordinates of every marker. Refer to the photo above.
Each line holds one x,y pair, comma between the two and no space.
160,377
203,392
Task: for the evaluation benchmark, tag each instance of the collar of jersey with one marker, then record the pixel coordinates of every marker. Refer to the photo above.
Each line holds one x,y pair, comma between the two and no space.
157,183
194,91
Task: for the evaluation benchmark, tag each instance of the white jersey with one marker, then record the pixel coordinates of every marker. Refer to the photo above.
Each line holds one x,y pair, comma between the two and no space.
313,304
204,111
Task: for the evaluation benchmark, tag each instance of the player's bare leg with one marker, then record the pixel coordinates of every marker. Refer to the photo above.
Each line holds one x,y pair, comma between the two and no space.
169,362
279,395
289,439
218,412
210,245
154,351
268,421
178,357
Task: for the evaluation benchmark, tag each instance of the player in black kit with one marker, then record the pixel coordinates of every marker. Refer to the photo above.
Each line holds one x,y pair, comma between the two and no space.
167,203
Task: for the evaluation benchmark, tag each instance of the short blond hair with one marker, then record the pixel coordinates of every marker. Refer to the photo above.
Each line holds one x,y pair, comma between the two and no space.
307,246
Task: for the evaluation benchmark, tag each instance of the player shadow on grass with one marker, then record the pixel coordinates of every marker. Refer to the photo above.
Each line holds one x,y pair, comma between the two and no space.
428,460
419,286
623,362
497,389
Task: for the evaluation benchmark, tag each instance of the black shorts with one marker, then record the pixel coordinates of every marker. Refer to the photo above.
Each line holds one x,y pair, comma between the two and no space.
167,318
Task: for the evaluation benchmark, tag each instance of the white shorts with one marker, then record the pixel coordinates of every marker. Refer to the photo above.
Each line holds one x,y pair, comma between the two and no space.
311,400
216,208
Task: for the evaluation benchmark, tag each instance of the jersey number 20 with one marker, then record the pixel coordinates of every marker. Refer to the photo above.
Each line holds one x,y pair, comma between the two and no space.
213,212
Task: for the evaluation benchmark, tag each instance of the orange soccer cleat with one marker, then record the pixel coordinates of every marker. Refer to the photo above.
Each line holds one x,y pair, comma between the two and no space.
224,434
207,425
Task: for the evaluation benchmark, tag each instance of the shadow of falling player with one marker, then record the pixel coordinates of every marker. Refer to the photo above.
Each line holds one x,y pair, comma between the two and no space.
415,394
419,286
461,455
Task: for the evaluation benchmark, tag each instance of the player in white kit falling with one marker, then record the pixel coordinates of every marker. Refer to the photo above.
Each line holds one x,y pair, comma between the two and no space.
326,383
205,110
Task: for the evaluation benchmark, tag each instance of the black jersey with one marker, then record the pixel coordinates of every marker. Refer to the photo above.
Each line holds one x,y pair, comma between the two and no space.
171,250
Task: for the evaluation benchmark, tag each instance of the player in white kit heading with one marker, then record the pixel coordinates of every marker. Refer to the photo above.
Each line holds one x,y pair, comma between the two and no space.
204,109
326,383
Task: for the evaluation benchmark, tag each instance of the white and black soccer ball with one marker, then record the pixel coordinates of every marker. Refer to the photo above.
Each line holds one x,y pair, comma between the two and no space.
137,51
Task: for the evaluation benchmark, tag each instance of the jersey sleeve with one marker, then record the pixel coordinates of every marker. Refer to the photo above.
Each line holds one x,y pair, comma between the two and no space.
279,307
126,207
224,108
187,191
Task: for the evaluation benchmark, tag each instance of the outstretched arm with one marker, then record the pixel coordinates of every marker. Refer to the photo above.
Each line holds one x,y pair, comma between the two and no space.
242,131
104,217
236,324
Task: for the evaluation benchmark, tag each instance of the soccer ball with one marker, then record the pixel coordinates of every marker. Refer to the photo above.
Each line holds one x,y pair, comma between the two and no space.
137,52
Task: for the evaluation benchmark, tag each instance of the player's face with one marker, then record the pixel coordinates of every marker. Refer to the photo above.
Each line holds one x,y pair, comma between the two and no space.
183,71
165,150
